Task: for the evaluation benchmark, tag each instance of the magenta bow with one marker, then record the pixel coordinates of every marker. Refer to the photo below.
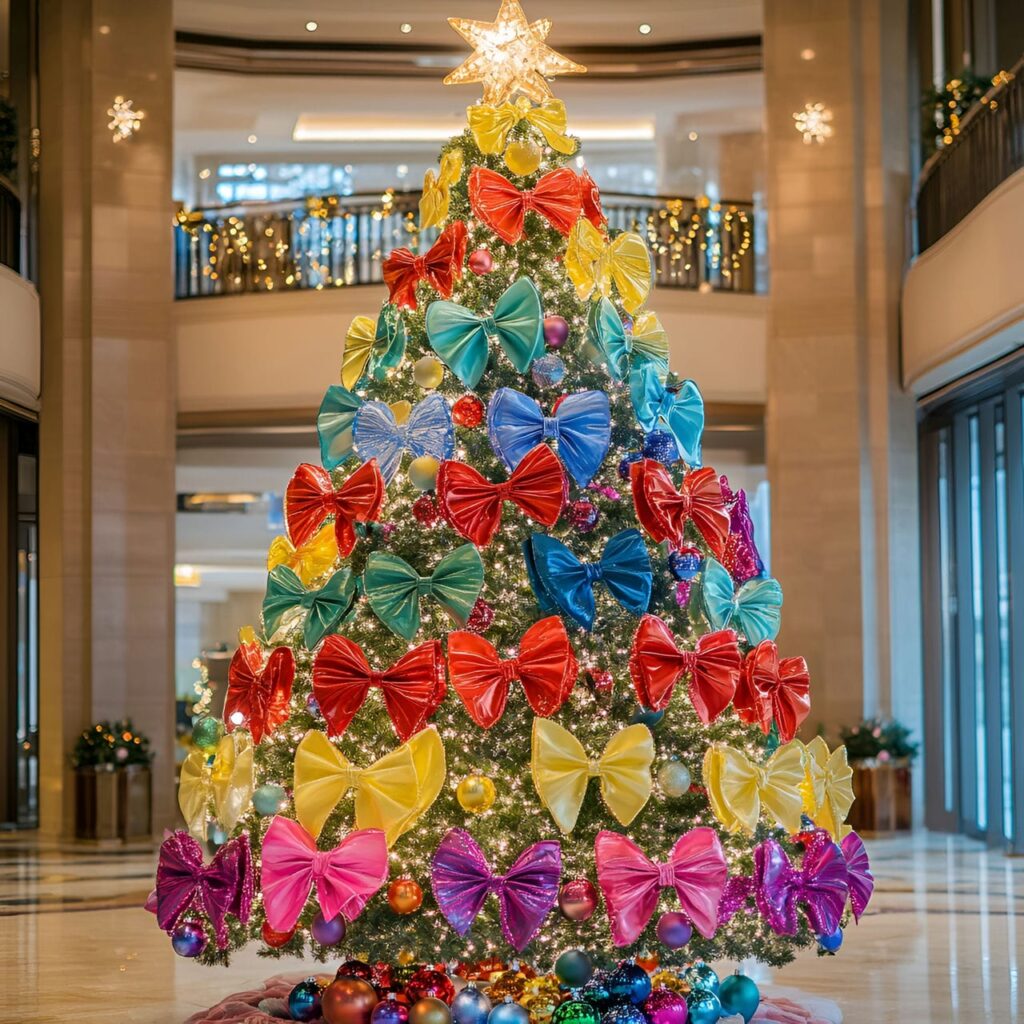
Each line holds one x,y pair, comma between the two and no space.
821,884
862,882
631,882
461,879
345,877
222,887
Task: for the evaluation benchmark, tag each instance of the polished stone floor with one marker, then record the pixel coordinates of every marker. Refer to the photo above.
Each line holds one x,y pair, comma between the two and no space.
942,941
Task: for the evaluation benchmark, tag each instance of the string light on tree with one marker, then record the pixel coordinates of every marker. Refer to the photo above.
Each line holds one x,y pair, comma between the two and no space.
814,123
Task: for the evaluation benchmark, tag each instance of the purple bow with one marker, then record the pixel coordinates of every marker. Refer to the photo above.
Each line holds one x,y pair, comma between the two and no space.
821,884
738,889
862,882
461,879
222,887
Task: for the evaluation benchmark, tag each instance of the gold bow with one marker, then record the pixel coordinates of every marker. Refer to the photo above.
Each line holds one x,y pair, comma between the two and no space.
390,795
827,787
308,561
561,771
738,788
227,780
594,264
490,125
359,342
437,190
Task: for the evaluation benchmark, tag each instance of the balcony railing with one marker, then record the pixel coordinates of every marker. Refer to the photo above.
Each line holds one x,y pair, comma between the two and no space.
337,241
10,227
988,148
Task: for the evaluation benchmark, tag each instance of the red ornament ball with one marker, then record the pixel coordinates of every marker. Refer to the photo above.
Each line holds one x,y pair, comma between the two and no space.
355,969
481,262
481,617
577,899
600,680
275,939
427,983
348,1001
583,515
556,331
468,411
425,510
405,896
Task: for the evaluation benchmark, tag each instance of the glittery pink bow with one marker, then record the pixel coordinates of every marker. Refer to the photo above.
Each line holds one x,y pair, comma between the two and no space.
862,882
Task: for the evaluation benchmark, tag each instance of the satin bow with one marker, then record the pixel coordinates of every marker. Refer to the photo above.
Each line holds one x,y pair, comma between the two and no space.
631,883
225,779
394,588
545,666
373,345
738,788
377,436
311,498
677,407
862,882
771,689
656,664
259,691
460,336
502,207
561,770
490,125
594,264
222,887
581,426
591,196
412,688
390,795
624,568
473,505
821,884
345,877
664,511
828,786
440,267
334,425
461,879
308,561
322,611
437,190
754,609
643,345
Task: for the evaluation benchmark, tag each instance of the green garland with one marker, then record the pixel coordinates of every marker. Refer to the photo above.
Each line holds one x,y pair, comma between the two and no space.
111,743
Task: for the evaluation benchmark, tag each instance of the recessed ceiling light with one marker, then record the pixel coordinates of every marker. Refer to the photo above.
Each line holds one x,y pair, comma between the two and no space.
644,29
252,140
405,27
693,136
311,26
104,30
204,173
807,54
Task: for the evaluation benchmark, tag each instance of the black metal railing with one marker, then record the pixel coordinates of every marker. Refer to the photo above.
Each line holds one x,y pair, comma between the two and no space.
10,227
337,241
987,149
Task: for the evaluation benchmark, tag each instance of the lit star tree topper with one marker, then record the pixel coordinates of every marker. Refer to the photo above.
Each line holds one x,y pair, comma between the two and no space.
510,55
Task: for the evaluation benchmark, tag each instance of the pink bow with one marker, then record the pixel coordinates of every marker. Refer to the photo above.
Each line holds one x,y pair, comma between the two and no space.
346,877
631,882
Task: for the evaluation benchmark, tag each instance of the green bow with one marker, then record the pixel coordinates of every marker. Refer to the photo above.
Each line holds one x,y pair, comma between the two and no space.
394,588
324,608
459,336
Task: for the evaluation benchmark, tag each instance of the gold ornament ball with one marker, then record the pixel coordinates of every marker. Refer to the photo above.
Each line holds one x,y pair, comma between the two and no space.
671,980
428,372
522,157
405,896
406,957
423,472
429,1011
476,794
348,1001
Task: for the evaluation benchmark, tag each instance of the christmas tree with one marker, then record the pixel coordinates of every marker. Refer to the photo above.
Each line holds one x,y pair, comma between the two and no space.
516,690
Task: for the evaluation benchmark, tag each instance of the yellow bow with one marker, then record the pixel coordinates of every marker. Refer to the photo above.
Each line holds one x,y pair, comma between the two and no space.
227,780
561,771
594,264
309,561
390,795
827,787
437,190
490,125
738,788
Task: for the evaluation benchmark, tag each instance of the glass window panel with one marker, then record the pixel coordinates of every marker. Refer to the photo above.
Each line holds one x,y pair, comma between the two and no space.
978,608
947,624
1003,620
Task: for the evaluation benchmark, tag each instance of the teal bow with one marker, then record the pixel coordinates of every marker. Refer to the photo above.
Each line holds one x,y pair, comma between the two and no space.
754,609
334,425
324,609
460,337
394,588
642,344
676,407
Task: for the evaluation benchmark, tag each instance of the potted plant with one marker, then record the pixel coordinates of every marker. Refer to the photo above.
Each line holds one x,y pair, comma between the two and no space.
113,783
880,753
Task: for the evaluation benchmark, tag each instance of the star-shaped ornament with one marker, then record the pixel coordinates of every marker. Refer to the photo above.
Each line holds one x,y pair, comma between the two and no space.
510,55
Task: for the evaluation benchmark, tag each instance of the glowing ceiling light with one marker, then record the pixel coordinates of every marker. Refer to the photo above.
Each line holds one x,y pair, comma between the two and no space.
644,29
312,26
405,28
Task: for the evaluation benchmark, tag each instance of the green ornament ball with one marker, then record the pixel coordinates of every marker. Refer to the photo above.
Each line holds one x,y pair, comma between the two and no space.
207,733
269,799
739,994
574,968
575,1011
699,976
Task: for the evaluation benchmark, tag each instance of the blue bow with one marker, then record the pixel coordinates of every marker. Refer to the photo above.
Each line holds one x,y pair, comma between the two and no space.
677,408
755,609
427,431
568,584
334,425
581,426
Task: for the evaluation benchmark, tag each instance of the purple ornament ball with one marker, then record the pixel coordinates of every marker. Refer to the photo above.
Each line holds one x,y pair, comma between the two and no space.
390,1011
556,331
188,939
328,933
673,930
663,1006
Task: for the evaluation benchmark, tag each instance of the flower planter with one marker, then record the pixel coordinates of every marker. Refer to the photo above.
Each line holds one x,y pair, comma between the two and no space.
113,803
883,802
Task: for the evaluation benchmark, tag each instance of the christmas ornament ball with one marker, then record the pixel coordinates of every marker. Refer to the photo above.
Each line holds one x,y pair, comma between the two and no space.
699,975
405,896
429,1011
556,331
188,939
508,1012
328,932
645,716
476,794
601,681
423,472
627,461
348,1000
668,978
624,1013
739,994
548,371
596,991
522,157
674,779
481,262
629,983
703,1007
207,733
390,1011
576,1011
673,929
830,943
481,617
583,515
428,372
304,1001
577,899
683,593
470,1006
663,1006
406,957
275,939
685,563
269,799
216,835
660,446
425,510
468,411
427,983
574,968
355,969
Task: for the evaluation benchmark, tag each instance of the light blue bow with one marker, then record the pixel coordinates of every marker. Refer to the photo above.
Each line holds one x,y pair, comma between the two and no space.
568,584
334,425
676,407
581,426
755,609
427,431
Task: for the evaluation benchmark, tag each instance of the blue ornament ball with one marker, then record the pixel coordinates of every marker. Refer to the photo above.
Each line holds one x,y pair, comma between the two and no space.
508,1012
188,939
660,445
685,564
627,460
645,716
699,975
629,983
704,1007
548,371
624,1013
596,991
831,943
216,835
269,799
470,1006
304,1000
328,933
574,968
739,994
627,323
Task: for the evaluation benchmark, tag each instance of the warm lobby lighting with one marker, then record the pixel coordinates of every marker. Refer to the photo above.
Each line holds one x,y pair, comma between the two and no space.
187,576
405,28
807,54
311,26
124,121
693,136
814,123
645,29
252,140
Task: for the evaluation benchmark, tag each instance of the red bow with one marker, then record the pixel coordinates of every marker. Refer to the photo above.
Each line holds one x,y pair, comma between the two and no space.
656,664
664,511
259,694
311,498
473,505
413,687
440,267
545,665
770,688
502,207
591,197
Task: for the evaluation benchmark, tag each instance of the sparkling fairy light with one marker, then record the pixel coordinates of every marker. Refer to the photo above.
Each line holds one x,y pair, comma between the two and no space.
814,123
125,121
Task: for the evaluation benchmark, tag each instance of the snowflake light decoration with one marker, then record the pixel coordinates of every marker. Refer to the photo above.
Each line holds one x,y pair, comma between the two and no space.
124,121
814,123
